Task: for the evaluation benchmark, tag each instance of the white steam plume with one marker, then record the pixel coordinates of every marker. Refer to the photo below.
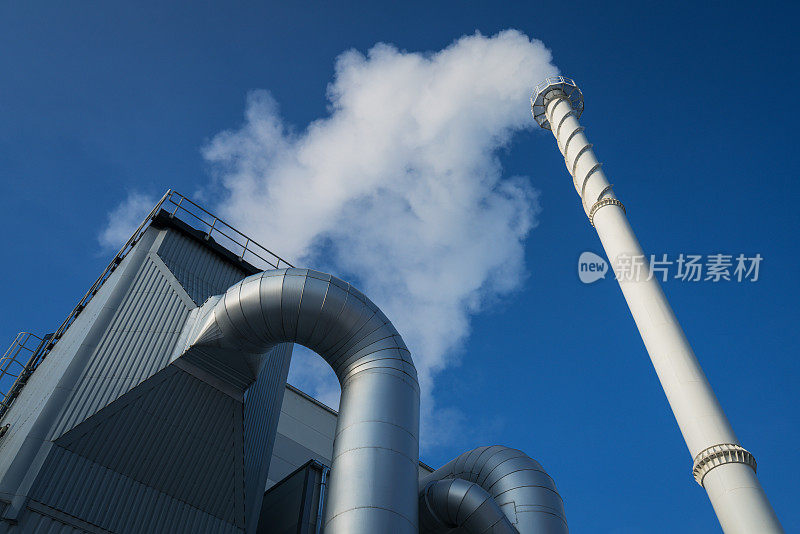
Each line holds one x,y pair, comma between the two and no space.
124,220
400,188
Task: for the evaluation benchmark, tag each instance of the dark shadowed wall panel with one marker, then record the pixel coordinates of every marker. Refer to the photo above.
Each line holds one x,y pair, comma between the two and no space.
261,412
199,270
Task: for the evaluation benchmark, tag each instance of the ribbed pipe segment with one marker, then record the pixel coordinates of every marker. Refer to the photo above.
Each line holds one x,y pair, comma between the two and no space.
453,503
518,485
587,174
373,481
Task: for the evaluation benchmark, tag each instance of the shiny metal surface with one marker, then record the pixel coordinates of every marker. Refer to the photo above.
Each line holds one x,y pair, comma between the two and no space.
373,480
456,503
518,485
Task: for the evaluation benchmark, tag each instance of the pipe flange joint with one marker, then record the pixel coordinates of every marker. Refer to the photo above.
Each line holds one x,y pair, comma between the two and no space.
718,455
608,201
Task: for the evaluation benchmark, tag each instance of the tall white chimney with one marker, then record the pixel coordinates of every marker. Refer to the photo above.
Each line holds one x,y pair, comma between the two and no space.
721,465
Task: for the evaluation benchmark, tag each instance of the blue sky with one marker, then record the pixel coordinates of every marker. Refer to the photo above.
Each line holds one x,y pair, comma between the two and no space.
689,107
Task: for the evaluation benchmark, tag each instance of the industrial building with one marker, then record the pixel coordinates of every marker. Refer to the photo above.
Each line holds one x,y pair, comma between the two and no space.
160,405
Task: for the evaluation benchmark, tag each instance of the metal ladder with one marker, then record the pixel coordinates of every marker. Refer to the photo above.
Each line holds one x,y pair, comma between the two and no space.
14,373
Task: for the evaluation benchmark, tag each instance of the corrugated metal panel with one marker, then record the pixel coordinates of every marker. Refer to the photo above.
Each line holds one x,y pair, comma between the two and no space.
98,495
199,270
203,273
173,433
141,447
138,343
27,409
262,405
35,523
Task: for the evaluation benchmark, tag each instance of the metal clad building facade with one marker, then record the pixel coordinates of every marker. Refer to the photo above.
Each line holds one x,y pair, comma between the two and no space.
160,405
112,434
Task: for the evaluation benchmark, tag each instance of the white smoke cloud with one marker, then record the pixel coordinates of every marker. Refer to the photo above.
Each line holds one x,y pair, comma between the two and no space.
400,187
124,220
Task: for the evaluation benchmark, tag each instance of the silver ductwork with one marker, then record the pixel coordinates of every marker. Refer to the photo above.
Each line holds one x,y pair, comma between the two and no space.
373,479
454,503
519,486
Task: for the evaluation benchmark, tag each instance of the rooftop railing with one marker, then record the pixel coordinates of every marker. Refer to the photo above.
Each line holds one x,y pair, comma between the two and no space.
223,233
177,206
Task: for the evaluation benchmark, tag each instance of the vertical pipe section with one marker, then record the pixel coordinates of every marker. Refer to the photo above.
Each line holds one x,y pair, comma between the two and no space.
721,465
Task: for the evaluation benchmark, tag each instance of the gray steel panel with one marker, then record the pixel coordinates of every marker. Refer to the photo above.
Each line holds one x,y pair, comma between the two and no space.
296,427
291,506
262,403
297,409
138,343
34,522
278,469
85,489
309,426
288,455
160,432
35,398
130,414
199,270
29,444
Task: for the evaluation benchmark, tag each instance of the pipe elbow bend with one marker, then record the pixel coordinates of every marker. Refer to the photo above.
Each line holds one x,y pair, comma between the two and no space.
373,486
518,484
456,503
313,309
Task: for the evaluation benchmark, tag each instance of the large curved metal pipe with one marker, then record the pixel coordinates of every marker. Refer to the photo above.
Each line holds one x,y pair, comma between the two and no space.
373,480
519,486
454,503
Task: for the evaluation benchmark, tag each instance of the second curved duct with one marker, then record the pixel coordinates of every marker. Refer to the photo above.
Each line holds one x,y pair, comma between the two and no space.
514,483
454,503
